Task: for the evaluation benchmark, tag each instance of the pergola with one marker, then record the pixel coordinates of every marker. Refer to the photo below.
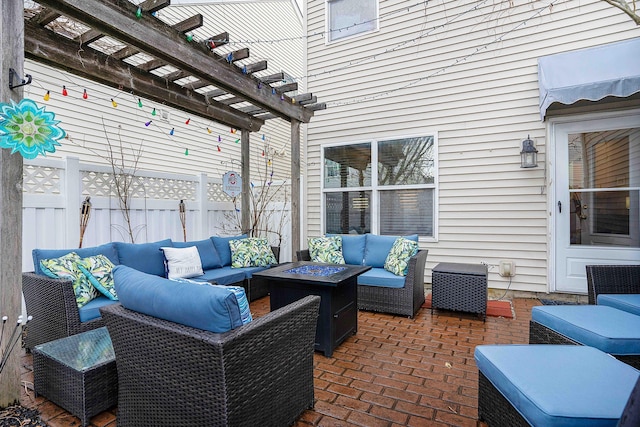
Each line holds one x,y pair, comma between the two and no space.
218,89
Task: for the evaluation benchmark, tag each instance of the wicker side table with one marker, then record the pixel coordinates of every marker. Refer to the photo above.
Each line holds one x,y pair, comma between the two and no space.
78,373
460,287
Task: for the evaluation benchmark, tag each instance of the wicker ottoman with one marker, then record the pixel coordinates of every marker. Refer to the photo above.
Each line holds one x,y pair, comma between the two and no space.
78,373
459,287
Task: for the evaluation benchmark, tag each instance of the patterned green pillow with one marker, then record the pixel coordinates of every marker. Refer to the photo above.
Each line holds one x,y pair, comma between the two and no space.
251,252
397,261
66,267
326,249
98,271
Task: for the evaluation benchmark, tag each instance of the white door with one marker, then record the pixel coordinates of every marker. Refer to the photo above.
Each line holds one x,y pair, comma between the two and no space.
595,196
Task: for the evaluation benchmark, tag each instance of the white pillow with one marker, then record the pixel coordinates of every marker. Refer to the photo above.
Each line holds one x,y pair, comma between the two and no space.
182,262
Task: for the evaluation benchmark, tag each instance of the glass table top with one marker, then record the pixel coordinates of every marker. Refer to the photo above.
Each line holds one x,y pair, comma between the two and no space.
82,351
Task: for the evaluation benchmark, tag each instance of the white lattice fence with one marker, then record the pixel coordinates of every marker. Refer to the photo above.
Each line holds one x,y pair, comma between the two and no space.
54,191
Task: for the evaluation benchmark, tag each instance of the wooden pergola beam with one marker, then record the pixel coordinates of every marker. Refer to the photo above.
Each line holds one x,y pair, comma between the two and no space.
118,19
44,46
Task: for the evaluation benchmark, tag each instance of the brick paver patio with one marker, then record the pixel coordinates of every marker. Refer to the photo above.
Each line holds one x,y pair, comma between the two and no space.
394,372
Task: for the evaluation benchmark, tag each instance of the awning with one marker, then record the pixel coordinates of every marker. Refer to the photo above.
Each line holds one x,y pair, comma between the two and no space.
592,74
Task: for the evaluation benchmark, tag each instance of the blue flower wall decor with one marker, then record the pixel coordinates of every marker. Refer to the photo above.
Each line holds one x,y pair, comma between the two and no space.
28,129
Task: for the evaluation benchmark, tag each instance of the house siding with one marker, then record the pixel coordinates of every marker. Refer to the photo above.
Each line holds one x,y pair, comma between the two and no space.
473,80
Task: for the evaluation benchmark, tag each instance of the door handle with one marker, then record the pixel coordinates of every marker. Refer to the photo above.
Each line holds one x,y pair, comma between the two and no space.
560,206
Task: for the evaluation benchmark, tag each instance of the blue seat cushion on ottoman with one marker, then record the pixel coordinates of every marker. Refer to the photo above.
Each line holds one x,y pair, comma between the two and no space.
381,277
91,310
107,250
605,328
145,257
378,247
222,276
625,302
352,247
559,385
202,306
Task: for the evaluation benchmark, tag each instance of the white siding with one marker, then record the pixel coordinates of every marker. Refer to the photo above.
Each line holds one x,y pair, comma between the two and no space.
472,77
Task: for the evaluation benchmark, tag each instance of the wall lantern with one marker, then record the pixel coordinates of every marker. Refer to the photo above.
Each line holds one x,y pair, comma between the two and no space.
529,154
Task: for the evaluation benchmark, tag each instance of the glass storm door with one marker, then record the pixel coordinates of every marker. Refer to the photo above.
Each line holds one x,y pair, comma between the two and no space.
597,186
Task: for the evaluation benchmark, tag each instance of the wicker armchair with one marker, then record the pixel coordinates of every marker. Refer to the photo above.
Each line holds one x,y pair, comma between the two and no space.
175,375
52,303
612,279
404,301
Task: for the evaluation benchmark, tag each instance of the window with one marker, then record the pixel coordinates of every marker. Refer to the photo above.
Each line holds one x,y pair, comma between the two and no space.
349,17
397,197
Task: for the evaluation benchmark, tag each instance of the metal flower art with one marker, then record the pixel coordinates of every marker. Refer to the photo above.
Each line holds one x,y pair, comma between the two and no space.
28,129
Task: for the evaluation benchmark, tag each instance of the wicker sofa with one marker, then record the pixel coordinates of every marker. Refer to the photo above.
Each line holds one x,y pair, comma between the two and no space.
612,279
258,374
378,289
52,302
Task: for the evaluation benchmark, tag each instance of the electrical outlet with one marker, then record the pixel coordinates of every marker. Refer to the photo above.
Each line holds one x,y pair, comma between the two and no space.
507,268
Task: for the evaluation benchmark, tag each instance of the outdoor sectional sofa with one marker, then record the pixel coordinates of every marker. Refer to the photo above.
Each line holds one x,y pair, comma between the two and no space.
52,302
379,289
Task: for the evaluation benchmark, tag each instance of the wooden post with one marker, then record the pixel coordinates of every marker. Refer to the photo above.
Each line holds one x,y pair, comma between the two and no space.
295,187
246,181
12,56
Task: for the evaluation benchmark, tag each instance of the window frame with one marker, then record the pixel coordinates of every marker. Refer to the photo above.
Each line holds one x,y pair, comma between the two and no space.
375,188
327,26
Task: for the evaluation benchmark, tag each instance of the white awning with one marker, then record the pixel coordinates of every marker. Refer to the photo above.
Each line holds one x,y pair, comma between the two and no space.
592,74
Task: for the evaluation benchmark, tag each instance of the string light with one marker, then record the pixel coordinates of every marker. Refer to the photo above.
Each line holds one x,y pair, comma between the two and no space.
153,113
237,140
186,152
46,96
219,138
219,148
114,103
139,12
172,131
148,123
64,91
190,37
208,130
139,102
188,121
85,95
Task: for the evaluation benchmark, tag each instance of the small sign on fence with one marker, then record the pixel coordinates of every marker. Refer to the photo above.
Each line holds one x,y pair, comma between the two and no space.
232,183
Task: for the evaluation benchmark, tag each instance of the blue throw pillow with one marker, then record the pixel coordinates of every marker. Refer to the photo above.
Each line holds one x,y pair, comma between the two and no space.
222,246
107,250
208,252
352,247
211,308
378,247
145,257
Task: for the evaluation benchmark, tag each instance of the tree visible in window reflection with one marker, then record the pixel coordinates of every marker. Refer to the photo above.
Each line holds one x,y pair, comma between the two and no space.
408,161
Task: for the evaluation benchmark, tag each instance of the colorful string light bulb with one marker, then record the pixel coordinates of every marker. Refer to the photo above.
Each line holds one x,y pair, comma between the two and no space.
172,131
263,136
153,113
139,102
219,148
188,121
46,96
208,130
114,103
85,95
219,138
186,151
64,91
190,37
148,123
139,12
237,140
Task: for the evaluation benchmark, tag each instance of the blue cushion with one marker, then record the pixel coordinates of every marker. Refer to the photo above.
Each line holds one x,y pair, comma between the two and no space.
208,253
107,250
626,302
352,247
248,271
145,257
202,306
559,385
381,277
222,246
91,310
223,275
378,247
605,328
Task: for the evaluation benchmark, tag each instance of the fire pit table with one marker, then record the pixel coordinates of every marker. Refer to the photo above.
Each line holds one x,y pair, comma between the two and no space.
336,284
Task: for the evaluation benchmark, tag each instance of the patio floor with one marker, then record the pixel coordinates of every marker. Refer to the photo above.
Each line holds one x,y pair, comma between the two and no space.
394,372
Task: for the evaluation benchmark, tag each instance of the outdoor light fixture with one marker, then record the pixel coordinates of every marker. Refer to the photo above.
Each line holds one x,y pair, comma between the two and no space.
529,154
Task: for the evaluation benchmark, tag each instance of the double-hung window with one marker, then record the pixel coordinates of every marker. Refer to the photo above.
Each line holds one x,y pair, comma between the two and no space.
385,186
350,17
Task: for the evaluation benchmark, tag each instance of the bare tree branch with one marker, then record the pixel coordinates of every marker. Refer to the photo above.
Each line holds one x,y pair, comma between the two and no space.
628,7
